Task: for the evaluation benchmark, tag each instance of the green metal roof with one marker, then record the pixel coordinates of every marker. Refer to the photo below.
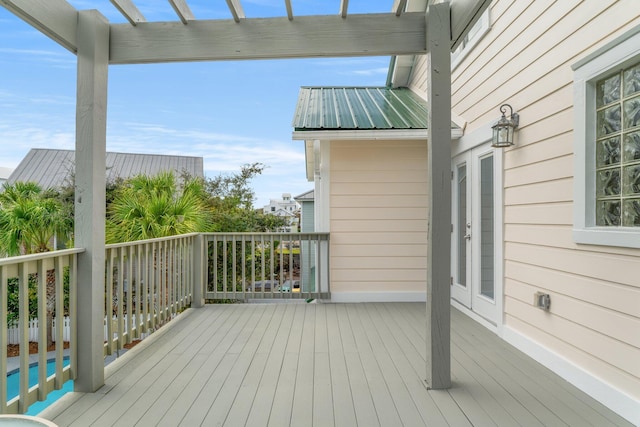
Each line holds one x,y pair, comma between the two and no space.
359,108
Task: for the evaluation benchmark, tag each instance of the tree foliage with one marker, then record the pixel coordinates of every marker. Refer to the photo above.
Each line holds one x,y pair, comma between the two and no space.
146,207
231,202
30,218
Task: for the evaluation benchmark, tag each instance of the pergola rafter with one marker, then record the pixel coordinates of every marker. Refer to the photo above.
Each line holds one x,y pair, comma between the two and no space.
99,43
129,10
236,10
182,9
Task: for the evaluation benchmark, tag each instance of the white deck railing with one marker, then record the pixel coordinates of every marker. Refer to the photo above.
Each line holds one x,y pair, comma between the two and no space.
13,335
151,279
244,266
147,283
46,272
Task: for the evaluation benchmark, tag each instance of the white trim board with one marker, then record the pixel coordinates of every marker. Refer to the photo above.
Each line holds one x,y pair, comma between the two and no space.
369,134
616,400
477,318
379,296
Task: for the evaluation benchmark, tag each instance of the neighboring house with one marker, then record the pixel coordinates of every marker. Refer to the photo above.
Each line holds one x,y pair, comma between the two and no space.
368,161
307,225
4,175
287,208
556,214
54,168
286,204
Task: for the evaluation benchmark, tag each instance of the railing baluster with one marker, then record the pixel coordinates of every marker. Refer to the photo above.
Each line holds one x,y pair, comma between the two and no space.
42,329
23,313
272,261
234,259
59,308
159,282
4,284
148,293
129,295
120,297
280,248
224,265
109,300
243,248
73,309
137,306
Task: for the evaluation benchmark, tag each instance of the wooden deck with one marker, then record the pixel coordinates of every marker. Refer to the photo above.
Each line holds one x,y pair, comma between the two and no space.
323,365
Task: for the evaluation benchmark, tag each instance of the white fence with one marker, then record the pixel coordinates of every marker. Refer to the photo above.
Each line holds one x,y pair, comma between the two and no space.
13,335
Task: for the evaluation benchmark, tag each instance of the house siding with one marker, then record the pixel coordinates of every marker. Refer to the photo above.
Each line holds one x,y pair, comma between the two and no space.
525,60
378,216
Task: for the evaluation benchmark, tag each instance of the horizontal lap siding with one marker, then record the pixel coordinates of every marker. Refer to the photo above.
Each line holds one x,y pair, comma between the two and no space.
525,60
378,216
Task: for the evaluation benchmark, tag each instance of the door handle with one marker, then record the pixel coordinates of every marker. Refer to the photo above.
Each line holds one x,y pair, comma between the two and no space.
467,236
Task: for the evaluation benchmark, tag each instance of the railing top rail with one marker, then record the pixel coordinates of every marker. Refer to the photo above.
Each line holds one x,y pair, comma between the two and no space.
42,255
275,233
141,242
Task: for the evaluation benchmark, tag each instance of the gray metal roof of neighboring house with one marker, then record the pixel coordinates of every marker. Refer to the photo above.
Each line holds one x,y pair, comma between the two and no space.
359,108
305,197
5,172
52,168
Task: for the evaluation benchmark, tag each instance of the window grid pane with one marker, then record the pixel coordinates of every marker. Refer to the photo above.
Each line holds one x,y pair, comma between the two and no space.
618,149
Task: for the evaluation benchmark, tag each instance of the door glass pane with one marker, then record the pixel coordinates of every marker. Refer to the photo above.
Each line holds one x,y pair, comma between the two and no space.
462,225
486,227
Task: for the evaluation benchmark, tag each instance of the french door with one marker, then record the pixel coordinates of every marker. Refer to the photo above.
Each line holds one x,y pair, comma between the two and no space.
474,243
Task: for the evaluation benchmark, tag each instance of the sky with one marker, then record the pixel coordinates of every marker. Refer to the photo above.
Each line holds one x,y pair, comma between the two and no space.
230,113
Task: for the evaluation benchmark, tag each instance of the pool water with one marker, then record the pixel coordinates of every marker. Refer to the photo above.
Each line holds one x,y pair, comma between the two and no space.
13,386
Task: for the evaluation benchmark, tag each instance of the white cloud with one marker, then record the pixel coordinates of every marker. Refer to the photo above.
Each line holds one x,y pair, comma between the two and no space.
368,72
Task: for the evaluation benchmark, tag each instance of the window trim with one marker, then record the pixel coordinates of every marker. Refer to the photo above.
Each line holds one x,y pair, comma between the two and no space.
620,53
484,22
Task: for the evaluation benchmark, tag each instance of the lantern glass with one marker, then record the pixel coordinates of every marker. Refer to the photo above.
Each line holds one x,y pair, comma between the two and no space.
503,133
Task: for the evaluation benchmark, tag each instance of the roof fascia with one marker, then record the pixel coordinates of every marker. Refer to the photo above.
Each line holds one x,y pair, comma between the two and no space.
56,19
377,134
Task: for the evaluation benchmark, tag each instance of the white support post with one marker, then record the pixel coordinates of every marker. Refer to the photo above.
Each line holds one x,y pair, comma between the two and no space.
90,181
439,224
199,269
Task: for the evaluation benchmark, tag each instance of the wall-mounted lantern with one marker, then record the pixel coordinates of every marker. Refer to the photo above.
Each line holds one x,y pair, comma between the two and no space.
503,130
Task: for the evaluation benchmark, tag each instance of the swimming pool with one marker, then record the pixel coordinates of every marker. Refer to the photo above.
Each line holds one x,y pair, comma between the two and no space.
13,386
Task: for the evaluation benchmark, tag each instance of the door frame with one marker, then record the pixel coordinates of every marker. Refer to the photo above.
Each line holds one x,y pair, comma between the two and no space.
478,142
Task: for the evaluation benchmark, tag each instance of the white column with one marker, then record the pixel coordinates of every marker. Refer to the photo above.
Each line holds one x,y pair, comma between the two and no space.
199,271
90,177
439,225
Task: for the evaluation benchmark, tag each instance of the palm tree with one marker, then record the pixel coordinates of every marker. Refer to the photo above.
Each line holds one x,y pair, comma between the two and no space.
148,207
30,219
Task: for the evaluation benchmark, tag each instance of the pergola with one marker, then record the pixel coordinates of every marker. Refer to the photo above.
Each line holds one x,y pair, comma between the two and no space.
98,44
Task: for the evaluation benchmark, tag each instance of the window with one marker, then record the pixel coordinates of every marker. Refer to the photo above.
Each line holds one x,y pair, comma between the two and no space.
607,144
618,149
475,34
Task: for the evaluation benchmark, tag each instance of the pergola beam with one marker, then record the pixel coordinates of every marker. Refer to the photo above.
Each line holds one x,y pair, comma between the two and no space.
54,18
182,9
129,11
269,38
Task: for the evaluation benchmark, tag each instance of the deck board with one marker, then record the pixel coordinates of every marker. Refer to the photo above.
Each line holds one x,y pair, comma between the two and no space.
323,365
